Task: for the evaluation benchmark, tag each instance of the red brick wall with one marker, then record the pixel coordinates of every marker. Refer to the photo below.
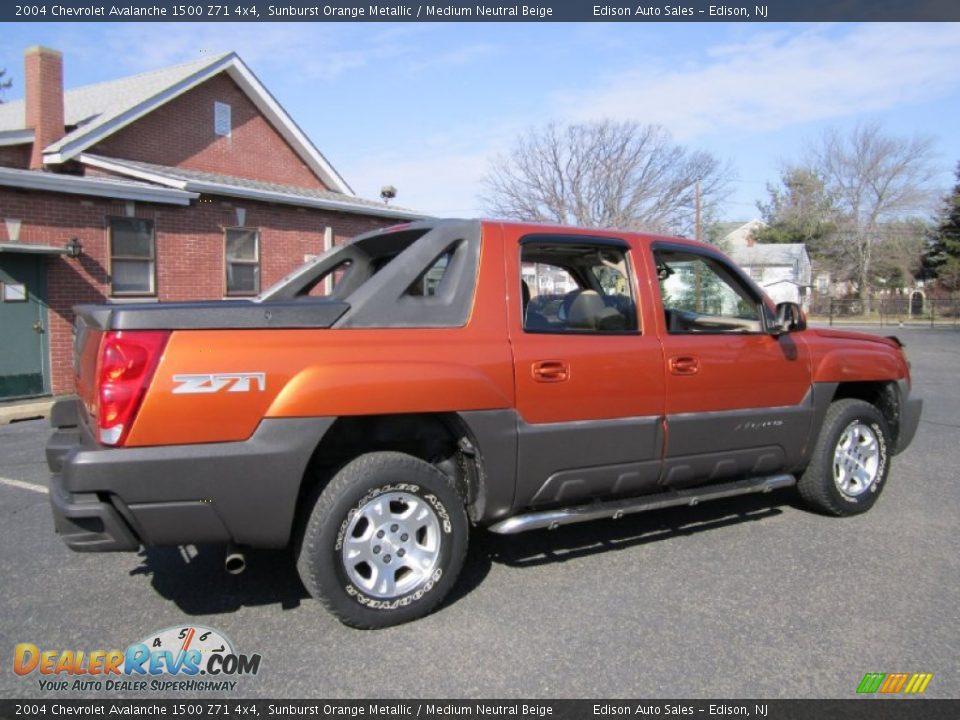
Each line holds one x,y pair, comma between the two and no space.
15,156
43,102
180,134
189,249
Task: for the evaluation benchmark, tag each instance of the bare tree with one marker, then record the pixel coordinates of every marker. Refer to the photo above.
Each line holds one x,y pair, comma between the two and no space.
875,180
603,174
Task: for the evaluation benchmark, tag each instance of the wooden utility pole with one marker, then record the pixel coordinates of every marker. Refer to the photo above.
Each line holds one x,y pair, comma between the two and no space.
696,275
698,236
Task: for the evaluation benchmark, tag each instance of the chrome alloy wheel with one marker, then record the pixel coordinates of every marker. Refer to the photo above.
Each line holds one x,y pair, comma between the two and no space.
392,545
856,461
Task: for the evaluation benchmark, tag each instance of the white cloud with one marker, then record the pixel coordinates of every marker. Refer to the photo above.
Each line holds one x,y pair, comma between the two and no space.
318,51
311,49
775,80
441,184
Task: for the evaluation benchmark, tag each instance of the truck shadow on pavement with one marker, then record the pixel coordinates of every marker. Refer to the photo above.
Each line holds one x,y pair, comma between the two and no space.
568,542
193,577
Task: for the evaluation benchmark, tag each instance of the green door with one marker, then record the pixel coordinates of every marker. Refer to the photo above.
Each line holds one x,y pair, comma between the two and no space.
23,326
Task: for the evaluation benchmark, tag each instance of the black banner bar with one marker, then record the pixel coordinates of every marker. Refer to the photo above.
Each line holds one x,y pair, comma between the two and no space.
853,709
484,11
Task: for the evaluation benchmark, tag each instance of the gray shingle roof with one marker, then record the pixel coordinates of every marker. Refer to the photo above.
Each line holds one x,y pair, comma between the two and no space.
91,105
768,254
199,181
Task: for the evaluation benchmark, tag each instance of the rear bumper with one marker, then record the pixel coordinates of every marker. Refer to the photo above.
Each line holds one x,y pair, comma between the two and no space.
119,498
88,524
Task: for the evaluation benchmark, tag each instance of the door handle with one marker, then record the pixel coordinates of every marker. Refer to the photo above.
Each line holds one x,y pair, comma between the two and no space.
550,371
38,327
684,365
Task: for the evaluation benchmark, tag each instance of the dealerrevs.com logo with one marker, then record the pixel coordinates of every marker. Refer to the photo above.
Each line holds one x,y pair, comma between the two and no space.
894,683
184,658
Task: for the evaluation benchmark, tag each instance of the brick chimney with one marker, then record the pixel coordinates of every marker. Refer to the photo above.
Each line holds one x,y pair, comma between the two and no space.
44,101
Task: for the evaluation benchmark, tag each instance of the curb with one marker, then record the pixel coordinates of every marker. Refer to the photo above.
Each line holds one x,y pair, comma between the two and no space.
32,410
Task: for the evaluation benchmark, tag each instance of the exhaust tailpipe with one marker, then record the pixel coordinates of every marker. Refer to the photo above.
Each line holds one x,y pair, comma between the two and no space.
235,562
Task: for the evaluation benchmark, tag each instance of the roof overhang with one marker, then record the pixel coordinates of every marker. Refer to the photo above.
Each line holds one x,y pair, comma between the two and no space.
71,184
254,89
225,189
16,137
285,199
33,249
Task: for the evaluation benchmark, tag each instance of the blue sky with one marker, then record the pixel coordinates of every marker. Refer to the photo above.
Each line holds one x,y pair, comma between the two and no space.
424,106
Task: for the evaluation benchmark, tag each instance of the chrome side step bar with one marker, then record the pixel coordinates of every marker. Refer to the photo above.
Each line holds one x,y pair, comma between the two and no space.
616,509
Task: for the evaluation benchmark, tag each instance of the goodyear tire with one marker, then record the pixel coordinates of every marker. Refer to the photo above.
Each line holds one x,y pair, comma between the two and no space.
850,461
385,540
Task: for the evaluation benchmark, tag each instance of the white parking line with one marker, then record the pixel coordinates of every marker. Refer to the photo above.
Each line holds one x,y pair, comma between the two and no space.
23,485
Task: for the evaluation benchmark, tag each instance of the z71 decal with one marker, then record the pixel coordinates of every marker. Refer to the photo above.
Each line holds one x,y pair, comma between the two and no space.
215,382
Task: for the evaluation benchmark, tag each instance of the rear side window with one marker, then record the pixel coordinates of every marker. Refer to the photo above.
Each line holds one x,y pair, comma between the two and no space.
570,286
426,285
415,275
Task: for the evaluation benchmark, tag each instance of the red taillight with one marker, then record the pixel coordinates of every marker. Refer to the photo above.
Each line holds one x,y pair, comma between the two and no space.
124,370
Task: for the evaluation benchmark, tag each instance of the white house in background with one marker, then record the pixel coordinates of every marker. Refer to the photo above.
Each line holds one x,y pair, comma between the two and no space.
783,270
739,234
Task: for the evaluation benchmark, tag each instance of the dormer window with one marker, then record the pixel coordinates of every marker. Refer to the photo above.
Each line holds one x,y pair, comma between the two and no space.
221,119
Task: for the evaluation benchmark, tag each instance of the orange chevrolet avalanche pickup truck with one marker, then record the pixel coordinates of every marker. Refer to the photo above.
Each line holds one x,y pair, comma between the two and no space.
376,403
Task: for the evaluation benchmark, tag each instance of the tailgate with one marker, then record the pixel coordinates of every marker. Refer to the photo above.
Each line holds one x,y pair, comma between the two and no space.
88,330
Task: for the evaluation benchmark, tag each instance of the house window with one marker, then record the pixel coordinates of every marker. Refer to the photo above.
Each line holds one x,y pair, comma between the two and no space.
222,124
242,261
132,256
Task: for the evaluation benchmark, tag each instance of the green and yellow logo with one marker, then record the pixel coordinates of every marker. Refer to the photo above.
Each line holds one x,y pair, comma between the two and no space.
892,683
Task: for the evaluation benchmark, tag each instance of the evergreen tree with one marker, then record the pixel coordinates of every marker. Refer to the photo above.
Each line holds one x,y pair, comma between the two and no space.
943,253
800,210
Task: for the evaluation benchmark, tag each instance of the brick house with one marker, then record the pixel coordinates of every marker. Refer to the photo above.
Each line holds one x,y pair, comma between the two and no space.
186,183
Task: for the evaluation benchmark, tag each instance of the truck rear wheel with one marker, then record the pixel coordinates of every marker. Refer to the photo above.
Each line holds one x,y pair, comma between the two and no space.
385,540
850,462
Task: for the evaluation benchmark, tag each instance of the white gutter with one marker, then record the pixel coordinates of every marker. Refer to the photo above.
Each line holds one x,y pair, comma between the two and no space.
16,137
33,249
51,182
212,188
140,174
215,188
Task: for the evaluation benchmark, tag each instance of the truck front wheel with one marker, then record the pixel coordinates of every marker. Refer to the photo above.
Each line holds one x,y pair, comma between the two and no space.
850,462
385,540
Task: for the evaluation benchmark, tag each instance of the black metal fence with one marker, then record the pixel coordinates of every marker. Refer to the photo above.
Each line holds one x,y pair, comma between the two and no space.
891,310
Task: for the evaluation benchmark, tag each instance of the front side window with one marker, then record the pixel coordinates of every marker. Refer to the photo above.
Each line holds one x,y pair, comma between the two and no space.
569,287
132,256
242,261
701,294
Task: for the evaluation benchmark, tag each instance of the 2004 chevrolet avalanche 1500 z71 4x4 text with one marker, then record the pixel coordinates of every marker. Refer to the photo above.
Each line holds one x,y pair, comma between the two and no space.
374,404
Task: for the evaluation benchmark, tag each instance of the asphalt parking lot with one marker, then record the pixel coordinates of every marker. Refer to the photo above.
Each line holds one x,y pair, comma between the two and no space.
752,597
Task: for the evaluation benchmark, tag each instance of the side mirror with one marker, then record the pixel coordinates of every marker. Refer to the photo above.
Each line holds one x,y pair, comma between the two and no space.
790,318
